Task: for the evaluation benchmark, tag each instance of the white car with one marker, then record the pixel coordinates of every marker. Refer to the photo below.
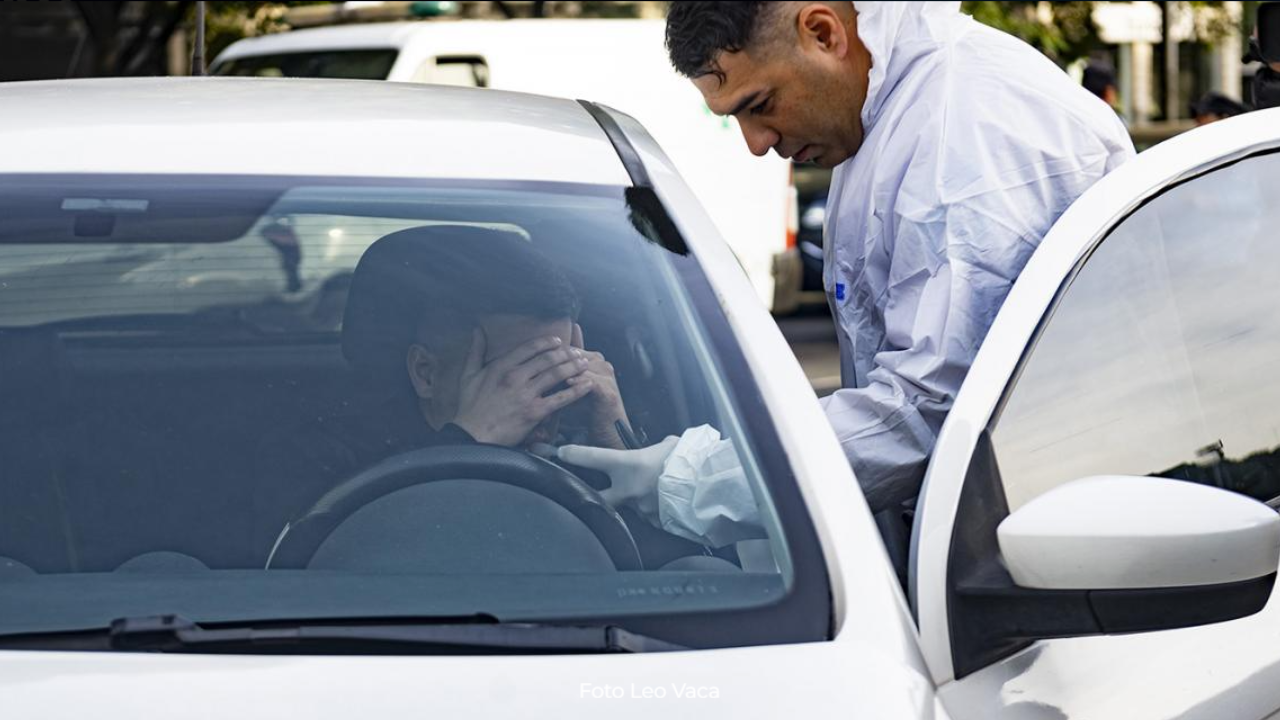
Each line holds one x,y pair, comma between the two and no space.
751,200
153,426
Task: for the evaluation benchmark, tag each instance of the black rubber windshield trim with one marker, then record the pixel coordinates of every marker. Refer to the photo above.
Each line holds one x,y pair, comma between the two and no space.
626,151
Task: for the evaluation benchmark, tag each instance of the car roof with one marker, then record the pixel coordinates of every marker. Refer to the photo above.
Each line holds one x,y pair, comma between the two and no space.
362,35
271,126
402,34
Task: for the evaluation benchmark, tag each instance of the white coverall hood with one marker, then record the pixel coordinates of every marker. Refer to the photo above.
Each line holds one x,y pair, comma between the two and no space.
894,33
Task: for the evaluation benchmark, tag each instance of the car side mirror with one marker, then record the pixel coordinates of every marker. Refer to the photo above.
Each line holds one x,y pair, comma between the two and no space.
1128,533
1116,554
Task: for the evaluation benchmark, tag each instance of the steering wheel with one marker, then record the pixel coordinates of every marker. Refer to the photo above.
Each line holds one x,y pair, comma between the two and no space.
301,538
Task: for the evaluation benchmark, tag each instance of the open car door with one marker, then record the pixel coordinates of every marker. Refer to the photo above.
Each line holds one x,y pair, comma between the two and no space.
1094,538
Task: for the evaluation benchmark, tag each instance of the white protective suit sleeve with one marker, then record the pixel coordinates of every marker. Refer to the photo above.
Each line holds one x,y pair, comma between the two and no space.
703,493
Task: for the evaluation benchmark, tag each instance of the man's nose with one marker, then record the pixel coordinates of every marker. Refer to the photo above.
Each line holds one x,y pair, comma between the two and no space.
759,138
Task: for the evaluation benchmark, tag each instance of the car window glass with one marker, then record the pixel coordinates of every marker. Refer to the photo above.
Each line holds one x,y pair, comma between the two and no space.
1161,355
340,64
196,371
462,71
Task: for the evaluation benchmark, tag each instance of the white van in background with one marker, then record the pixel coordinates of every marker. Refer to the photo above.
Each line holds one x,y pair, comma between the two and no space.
619,63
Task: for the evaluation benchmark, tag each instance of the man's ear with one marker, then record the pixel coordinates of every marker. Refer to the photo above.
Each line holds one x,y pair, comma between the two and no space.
820,26
422,365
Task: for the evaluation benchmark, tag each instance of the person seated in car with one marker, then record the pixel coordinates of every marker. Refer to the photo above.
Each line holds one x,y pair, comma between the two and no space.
469,335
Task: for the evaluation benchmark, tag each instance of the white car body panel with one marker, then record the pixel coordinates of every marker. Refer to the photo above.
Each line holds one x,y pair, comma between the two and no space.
872,667
747,197
219,125
824,680
1131,676
358,36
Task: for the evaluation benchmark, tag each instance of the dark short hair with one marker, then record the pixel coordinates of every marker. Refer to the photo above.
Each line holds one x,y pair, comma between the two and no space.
1215,103
439,281
699,31
1098,77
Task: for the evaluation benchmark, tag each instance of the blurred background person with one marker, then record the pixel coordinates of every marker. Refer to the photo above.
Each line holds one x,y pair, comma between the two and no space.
1264,47
1100,79
1214,106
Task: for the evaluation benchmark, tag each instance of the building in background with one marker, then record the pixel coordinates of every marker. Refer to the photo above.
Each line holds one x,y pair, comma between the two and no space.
1167,54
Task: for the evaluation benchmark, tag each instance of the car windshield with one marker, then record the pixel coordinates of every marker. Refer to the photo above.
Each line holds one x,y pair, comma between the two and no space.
241,399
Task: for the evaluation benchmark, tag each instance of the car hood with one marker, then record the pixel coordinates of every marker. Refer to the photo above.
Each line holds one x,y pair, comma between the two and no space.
815,680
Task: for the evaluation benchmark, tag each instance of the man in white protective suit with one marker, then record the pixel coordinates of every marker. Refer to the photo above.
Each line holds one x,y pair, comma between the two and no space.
955,147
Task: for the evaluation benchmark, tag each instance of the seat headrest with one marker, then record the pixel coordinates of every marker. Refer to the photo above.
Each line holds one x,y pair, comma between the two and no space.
408,271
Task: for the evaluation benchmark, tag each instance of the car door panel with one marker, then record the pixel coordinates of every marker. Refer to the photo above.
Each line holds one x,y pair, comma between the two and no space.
1189,318
1222,671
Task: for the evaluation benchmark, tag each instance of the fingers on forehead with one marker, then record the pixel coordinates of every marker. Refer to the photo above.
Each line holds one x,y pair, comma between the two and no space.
533,348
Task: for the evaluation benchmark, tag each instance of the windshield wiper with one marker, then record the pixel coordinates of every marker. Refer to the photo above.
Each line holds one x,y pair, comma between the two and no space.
480,634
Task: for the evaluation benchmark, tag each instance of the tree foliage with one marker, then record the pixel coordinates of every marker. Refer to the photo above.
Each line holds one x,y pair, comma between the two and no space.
1064,31
129,38
228,21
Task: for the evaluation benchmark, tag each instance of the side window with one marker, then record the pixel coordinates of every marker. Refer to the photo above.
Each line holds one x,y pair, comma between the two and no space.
346,64
460,70
1163,355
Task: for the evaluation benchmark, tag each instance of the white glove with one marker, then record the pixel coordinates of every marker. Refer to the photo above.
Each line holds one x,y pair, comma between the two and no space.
634,473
